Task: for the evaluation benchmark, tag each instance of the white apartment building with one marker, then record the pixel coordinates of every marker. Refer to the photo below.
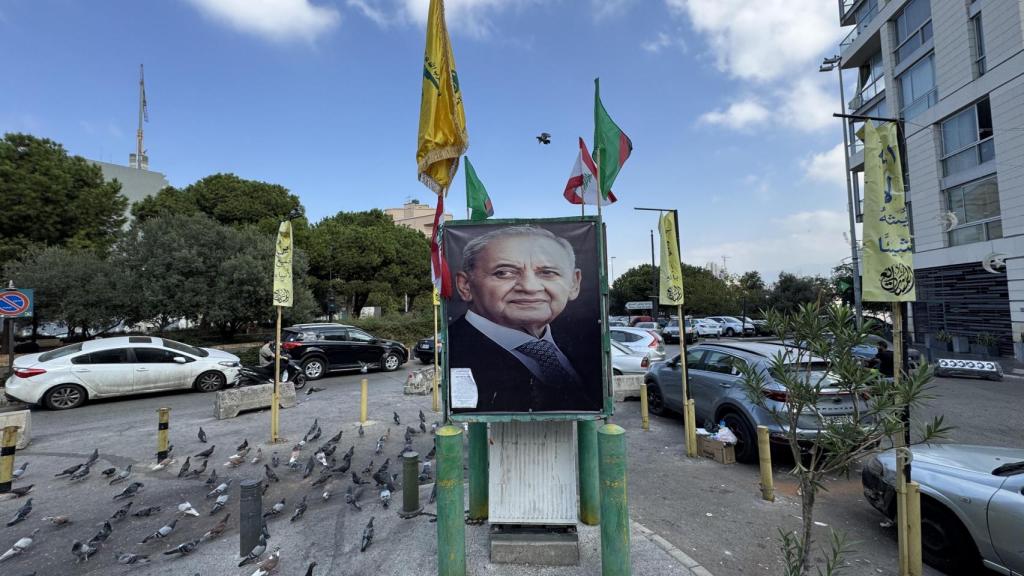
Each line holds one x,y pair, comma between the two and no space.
953,71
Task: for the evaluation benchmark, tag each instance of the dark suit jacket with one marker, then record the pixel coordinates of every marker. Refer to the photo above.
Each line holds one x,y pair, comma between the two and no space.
504,384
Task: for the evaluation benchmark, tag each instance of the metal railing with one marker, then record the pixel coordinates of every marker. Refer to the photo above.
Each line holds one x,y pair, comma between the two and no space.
862,22
845,6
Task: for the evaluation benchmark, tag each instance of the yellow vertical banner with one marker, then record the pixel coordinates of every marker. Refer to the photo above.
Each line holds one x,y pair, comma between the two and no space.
671,292
283,266
888,246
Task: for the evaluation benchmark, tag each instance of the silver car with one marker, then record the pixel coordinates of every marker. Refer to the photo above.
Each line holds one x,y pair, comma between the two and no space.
719,394
646,342
972,504
66,377
626,361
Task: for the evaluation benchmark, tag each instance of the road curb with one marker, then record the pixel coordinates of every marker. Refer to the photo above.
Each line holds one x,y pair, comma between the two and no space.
693,568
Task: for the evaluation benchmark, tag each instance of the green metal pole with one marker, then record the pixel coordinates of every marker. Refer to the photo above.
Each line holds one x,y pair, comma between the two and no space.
451,523
586,443
615,545
478,471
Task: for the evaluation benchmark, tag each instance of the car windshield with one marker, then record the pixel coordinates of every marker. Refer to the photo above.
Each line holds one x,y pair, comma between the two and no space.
60,352
178,346
1009,469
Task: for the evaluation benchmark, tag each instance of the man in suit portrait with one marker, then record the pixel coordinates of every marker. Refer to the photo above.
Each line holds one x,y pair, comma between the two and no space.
516,281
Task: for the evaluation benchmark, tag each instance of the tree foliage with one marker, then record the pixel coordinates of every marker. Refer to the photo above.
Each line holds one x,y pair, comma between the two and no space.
791,292
50,198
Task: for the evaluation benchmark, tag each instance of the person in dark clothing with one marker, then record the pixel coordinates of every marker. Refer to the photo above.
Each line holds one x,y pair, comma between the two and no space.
885,360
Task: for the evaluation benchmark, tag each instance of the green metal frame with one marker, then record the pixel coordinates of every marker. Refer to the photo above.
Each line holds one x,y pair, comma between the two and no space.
609,406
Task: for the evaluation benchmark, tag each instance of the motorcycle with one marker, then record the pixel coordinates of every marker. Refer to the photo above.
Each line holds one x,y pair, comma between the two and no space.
290,372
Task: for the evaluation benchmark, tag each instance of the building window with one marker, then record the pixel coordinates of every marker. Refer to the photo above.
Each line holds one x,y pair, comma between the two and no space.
865,13
870,81
976,206
917,87
967,139
979,46
913,28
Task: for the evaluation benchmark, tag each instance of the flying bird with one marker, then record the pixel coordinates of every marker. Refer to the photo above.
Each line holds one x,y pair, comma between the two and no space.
22,513
202,435
20,546
367,536
163,532
299,510
544,138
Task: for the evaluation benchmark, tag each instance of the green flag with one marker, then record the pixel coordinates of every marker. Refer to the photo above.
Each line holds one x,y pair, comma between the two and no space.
611,145
477,200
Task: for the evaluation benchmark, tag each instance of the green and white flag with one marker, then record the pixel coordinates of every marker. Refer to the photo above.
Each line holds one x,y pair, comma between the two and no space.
611,145
477,200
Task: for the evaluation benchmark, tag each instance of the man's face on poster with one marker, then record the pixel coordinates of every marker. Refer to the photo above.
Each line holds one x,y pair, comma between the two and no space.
521,282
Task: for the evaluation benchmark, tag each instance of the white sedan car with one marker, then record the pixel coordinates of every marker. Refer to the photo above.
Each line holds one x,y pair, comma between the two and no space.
626,361
66,377
646,342
707,328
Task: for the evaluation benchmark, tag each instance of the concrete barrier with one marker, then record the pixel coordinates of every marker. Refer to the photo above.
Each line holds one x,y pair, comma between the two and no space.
23,420
234,400
626,386
420,381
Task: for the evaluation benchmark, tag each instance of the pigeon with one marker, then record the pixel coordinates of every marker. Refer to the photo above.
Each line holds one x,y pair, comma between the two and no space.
309,468
270,474
202,435
128,558
57,521
324,477
312,389
380,447
433,451
336,438
369,468
394,415
222,488
390,483
423,417
328,490
93,457
385,497
162,464
313,428
81,473
212,480
186,508
219,504
408,438
198,471
217,529
147,511
351,450
68,471
367,536
102,535
329,449
345,465
309,571
206,453
384,467
269,565
316,435
361,431
121,512
185,467
122,475
544,138
163,532
16,492
243,445
129,490
235,460
256,552
423,428
299,510
322,459
22,513
275,461
275,509
183,549
357,480
293,461
433,428
352,498
20,546
82,552
107,473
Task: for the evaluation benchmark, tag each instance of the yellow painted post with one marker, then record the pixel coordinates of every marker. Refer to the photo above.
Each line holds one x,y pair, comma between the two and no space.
362,402
162,429
436,402
914,529
275,401
764,450
691,429
7,448
645,421
689,417
901,514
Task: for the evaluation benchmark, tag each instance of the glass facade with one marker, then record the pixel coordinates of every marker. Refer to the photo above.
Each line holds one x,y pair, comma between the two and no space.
913,28
917,87
976,206
967,139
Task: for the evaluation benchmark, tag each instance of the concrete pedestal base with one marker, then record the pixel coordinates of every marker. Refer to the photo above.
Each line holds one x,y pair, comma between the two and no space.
234,400
22,419
534,545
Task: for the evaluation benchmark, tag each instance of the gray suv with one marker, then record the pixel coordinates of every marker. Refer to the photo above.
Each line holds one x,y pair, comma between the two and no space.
716,386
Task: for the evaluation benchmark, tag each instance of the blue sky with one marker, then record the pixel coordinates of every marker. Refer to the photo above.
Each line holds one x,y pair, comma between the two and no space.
729,116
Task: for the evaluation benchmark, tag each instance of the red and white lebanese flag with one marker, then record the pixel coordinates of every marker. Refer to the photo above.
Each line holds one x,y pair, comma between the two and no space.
438,263
582,185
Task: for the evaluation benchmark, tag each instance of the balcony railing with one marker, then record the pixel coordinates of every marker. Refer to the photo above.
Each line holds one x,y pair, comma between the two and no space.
863,21
845,6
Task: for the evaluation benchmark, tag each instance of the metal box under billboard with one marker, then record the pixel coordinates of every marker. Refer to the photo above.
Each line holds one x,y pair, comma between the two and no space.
532,477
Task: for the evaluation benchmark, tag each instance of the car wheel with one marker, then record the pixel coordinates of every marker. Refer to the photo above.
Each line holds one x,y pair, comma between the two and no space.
730,332
64,397
299,381
655,405
746,442
210,382
391,362
945,543
314,368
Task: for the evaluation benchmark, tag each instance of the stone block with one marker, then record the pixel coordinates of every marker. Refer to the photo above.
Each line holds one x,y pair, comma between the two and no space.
551,549
420,382
23,420
626,386
231,401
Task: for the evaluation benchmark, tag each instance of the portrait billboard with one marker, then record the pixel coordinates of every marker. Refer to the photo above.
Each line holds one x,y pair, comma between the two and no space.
524,322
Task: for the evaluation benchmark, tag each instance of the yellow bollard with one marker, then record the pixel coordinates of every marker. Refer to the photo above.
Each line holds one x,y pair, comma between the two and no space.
914,528
691,429
901,513
645,421
435,404
162,429
764,450
362,404
7,448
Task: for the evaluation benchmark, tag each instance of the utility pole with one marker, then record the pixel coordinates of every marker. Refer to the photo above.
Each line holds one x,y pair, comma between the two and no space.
654,282
139,161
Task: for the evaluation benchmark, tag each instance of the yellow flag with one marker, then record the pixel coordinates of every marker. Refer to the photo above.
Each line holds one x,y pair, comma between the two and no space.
442,137
671,271
283,266
888,247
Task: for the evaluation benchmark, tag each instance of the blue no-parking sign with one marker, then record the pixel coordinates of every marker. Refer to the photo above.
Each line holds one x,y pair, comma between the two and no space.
16,303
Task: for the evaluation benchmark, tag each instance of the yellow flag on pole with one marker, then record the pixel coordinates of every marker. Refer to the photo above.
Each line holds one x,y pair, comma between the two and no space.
283,265
442,135
671,289
888,247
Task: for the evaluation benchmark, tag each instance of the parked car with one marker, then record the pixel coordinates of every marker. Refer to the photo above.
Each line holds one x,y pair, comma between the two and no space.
707,328
324,348
639,340
972,504
670,333
648,326
626,361
718,392
424,350
751,326
761,328
869,350
634,319
66,377
732,326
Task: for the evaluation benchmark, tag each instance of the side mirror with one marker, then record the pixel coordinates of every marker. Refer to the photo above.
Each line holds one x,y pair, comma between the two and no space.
180,360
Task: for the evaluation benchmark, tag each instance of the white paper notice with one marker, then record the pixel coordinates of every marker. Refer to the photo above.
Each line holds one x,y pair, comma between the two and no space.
464,393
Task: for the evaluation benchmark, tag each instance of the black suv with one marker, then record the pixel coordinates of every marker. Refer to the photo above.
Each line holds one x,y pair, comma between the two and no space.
425,350
324,348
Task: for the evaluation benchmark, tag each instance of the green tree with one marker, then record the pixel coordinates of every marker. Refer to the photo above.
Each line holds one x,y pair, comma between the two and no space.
53,199
633,285
792,291
707,294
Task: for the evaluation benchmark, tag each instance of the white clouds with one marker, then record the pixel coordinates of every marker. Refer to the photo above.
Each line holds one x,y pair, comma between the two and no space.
809,242
372,12
277,20
807,104
606,8
828,167
740,115
470,16
664,40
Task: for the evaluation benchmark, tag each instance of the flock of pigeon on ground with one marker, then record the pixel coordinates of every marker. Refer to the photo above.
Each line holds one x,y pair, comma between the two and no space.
330,474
